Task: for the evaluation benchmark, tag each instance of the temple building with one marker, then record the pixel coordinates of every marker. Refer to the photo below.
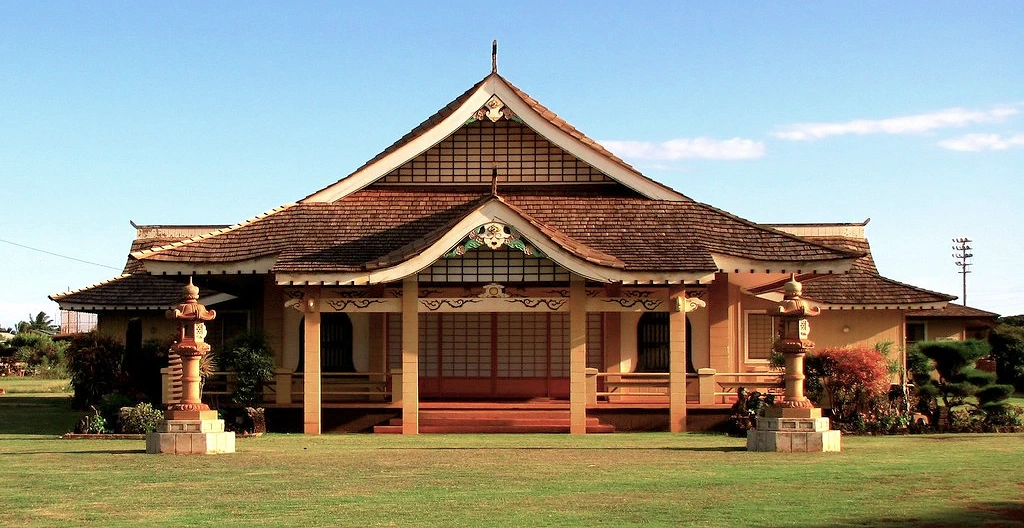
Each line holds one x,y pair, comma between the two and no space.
497,254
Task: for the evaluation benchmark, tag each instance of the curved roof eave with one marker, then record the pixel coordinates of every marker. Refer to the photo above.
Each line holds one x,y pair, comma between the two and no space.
565,252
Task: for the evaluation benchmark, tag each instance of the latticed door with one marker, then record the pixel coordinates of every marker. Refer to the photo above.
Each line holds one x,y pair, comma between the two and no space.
652,348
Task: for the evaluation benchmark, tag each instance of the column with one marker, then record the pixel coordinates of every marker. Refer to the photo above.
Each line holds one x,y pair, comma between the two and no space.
311,362
577,355
677,360
410,356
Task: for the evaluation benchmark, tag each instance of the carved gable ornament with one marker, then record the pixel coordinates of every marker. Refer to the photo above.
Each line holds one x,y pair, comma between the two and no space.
494,235
494,109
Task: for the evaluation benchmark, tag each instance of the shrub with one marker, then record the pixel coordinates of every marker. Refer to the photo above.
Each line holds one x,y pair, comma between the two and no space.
854,378
1008,352
252,360
94,362
1006,416
745,410
140,419
44,356
110,408
93,423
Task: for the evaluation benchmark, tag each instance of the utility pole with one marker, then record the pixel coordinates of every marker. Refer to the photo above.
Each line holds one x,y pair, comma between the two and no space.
961,257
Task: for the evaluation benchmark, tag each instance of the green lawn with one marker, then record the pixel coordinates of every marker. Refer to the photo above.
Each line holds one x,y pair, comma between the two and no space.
25,385
503,480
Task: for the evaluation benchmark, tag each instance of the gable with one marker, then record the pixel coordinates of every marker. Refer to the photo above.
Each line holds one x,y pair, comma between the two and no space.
485,265
494,99
507,147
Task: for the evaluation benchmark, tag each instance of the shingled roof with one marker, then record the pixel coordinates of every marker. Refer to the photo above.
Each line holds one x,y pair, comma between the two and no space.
863,286
135,288
360,230
956,311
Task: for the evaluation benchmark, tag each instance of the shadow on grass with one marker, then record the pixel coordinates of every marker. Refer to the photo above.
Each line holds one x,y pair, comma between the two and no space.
570,448
1002,513
79,452
36,415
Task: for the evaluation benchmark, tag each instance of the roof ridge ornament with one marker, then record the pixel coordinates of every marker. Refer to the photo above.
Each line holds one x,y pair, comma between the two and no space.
494,56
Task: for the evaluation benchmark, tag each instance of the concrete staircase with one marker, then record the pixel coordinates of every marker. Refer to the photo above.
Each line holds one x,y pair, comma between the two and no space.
496,418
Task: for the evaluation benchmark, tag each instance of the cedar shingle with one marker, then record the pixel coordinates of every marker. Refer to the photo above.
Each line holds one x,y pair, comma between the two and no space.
364,227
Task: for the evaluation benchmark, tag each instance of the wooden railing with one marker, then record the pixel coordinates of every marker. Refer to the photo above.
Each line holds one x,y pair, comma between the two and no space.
343,386
706,387
730,382
631,385
286,387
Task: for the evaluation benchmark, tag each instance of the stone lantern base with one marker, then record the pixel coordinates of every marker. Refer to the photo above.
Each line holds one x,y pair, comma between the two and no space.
788,430
199,435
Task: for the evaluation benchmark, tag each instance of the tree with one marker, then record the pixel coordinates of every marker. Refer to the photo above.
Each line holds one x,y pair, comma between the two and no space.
956,377
1007,340
40,323
44,356
96,365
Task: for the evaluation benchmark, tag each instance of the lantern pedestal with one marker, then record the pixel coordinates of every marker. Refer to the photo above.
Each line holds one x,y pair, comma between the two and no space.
191,437
782,429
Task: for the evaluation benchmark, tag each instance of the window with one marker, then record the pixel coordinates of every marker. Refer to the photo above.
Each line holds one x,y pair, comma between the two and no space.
917,331
761,333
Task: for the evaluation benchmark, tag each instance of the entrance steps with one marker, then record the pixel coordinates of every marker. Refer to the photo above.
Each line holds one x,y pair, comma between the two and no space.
496,419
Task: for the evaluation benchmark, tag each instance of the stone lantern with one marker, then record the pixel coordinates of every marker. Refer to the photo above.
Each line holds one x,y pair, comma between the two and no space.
793,424
189,426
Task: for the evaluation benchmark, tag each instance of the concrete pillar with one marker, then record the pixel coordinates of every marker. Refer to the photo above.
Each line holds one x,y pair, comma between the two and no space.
396,387
283,386
577,355
311,362
706,384
591,386
677,360
410,356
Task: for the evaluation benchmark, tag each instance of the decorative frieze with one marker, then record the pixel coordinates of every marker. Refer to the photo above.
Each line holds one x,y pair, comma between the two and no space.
348,305
634,304
494,297
433,305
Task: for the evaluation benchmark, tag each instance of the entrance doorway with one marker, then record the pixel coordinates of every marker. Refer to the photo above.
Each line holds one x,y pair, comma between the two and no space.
652,347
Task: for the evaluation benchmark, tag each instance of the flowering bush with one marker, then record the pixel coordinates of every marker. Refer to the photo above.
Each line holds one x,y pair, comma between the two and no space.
140,419
854,378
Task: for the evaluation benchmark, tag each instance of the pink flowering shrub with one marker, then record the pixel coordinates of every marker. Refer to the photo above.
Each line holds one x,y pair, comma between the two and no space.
855,379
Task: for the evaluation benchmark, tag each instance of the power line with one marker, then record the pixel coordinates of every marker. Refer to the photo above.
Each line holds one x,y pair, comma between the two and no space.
58,254
961,257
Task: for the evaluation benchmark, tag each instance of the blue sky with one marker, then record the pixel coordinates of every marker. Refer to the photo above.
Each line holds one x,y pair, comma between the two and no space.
910,113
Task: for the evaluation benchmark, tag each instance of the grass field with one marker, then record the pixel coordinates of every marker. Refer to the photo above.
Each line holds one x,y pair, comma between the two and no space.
30,385
505,480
